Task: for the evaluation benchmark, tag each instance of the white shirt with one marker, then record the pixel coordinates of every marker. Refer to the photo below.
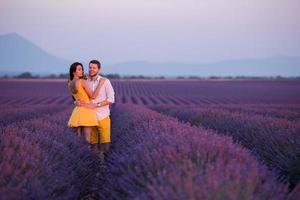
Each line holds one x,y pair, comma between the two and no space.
105,93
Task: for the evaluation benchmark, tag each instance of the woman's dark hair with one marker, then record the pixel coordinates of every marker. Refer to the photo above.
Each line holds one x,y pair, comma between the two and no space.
73,68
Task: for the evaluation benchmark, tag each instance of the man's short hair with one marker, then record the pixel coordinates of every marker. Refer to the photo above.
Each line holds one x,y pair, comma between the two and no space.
95,62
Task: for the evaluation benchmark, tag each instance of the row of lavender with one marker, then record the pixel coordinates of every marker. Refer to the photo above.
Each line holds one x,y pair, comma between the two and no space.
270,132
157,157
40,158
155,92
284,111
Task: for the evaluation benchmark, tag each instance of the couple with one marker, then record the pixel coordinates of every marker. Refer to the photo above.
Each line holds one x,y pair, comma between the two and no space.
93,95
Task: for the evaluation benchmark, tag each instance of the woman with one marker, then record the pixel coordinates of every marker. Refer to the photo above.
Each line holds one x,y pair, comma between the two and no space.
82,119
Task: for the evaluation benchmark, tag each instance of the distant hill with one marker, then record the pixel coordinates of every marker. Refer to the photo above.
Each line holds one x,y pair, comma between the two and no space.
273,66
17,54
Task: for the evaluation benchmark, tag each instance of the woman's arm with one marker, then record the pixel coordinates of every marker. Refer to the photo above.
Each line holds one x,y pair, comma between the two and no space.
89,92
94,105
89,105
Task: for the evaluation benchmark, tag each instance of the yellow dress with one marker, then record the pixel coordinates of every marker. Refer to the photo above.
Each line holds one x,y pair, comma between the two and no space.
82,116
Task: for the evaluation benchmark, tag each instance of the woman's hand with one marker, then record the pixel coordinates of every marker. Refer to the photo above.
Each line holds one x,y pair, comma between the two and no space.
78,102
84,77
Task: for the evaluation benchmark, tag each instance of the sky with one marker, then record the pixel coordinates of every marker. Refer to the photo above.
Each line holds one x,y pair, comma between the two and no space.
157,30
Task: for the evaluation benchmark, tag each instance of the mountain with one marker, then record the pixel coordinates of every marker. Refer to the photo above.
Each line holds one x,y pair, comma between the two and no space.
272,66
17,54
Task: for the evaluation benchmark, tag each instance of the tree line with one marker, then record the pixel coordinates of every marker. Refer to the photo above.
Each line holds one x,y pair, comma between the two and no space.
29,75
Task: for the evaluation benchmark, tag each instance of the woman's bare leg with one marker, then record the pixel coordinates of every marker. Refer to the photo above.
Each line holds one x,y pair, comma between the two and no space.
87,130
77,130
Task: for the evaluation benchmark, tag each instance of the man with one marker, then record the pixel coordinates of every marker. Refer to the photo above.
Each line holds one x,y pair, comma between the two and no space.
105,98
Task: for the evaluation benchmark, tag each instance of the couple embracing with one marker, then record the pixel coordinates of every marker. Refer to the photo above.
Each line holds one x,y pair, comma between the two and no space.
93,95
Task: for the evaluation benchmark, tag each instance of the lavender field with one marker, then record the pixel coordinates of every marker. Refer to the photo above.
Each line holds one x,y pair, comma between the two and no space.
179,139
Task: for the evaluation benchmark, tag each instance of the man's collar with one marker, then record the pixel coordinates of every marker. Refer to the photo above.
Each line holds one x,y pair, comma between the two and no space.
98,78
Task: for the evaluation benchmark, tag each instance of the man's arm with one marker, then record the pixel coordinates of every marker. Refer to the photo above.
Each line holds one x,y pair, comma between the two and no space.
110,95
110,92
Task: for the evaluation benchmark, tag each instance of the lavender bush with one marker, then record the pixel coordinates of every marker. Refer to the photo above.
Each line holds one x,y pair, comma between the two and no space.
43,159
157,157
275,141
10,114
153,156
289,112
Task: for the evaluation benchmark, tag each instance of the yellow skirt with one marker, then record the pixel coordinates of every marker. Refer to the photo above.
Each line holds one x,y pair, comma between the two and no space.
83,117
